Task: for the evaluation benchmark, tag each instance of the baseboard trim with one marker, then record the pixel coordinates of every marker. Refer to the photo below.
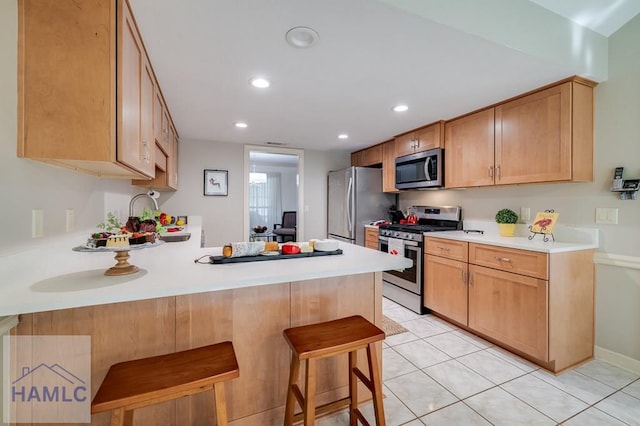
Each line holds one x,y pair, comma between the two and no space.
615,358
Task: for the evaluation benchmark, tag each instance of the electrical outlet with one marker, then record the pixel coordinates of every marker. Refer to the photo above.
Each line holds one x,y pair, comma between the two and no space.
37,223
70,219
525,214
606,216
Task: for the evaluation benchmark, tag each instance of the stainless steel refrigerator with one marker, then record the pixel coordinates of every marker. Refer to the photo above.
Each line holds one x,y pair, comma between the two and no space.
355,200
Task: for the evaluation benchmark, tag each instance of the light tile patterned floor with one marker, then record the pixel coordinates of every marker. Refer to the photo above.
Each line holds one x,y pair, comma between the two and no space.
437,374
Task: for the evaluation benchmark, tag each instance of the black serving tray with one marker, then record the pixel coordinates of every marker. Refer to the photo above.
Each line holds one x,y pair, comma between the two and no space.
217,260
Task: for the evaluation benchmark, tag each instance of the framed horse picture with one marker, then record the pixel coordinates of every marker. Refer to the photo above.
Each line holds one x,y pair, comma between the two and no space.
215,182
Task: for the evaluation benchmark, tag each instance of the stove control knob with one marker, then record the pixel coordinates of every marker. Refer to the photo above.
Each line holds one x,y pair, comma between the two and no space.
397,234
409,236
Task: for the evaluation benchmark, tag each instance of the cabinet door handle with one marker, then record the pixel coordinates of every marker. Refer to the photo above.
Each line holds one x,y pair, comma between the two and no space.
464,279
145,156
498,172
503,259
470,278
490,171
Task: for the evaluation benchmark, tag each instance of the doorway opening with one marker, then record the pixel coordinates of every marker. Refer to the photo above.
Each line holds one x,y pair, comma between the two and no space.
273,182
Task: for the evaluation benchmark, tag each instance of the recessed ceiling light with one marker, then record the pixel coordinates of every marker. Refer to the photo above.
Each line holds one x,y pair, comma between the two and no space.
302,37
343,136
240,124
259,82
400,108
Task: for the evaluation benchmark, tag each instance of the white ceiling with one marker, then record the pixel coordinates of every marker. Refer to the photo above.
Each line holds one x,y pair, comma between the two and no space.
369,57
602,16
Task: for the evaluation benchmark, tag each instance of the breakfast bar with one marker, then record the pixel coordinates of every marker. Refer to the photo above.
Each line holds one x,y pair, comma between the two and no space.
174,303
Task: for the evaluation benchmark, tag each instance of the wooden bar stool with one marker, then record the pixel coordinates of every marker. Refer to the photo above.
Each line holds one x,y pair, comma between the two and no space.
315,341
138,383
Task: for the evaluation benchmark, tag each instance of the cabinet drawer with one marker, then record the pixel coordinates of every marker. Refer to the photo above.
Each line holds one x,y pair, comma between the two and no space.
371,238
524,262
371,234
457,250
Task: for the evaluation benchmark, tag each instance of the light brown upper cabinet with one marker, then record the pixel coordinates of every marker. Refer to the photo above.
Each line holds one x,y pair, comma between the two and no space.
542,136
389,166
468,150
172,164
85,88
166,176
546,136
166,144
422,139
161,123
367,157
135,138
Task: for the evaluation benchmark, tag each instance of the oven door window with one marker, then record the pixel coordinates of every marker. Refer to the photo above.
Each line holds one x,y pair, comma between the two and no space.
410,252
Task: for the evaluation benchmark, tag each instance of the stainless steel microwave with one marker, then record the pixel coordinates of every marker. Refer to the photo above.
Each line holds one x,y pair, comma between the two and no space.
421,170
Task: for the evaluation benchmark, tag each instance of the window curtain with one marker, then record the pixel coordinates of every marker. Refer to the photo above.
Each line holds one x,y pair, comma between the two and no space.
265,201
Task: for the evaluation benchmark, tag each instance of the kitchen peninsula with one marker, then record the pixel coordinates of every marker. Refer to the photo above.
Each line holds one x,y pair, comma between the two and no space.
173,304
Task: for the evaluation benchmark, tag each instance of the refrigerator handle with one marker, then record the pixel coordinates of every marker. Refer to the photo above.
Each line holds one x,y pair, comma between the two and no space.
350,205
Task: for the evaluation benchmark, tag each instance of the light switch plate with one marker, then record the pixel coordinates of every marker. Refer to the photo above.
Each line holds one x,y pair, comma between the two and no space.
606,216
70,220
525,214
37,223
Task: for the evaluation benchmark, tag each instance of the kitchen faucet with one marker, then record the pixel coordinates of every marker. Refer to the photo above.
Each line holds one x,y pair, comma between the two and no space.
151,194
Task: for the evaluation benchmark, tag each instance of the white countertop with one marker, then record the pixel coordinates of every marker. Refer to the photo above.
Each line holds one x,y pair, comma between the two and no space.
55,277
583,240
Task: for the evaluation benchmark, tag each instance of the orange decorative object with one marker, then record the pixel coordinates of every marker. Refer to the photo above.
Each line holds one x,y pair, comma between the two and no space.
544,222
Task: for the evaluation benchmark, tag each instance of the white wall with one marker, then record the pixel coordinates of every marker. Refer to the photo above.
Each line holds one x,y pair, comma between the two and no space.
617,143
26,184
222,216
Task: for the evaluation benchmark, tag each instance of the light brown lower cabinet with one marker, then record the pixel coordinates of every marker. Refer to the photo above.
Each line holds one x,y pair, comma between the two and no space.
253,318
511,308
371,238
447,289
538,305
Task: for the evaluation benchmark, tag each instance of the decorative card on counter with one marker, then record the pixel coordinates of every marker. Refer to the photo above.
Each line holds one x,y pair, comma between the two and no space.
544,222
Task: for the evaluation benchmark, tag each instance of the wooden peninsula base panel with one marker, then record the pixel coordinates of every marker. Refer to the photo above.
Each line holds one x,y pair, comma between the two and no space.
252,318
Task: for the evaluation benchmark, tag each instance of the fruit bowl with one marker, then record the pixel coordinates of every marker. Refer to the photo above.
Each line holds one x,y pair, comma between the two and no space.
259,229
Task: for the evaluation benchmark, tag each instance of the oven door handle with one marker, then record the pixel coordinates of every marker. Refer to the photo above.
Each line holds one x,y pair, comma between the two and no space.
410,244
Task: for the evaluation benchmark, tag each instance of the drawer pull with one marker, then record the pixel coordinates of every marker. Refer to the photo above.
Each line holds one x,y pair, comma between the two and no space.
503,259
443,248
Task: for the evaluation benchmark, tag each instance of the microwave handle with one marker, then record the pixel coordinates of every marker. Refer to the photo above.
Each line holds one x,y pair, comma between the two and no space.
427,170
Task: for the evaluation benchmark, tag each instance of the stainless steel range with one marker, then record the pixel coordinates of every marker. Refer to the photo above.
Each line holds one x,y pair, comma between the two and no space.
406,287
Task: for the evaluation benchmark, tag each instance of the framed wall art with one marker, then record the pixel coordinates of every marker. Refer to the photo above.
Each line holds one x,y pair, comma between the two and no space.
215,182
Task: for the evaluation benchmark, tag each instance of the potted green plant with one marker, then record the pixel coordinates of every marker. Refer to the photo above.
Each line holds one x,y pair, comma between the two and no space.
507,219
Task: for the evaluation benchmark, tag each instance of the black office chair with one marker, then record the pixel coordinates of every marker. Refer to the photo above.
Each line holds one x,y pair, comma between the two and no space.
286,231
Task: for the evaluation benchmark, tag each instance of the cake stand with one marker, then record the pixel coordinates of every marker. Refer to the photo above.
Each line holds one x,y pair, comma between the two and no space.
122,266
